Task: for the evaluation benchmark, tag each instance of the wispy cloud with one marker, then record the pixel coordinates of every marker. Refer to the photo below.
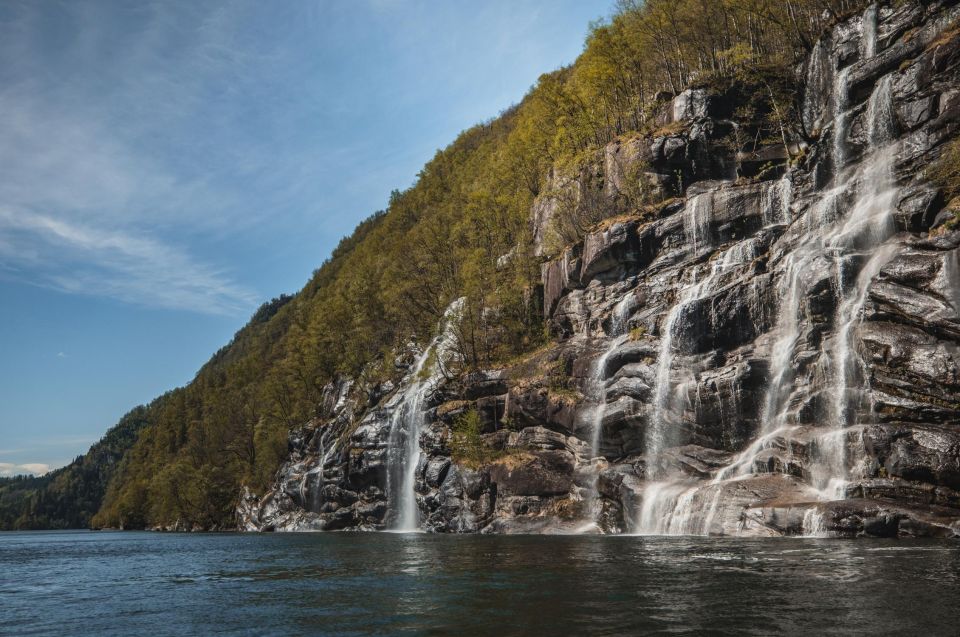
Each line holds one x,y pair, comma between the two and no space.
86,260
98,177
8,469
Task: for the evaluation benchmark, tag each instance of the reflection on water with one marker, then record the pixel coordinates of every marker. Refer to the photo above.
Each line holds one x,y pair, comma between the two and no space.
123,583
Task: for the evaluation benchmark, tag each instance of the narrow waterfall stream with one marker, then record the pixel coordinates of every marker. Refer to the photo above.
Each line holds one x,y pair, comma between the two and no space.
864,234
697,216
325,449
403,453
852,228
869,29
406,421
597,387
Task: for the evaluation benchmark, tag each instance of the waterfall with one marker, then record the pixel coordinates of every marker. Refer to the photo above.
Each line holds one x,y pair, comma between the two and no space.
781,358
660,496
863,234
841,123
406,421
696,221
698,215
403,453
776,201
325,449
658,431
817,84
598,378
869,28
814,524
857,238
597,387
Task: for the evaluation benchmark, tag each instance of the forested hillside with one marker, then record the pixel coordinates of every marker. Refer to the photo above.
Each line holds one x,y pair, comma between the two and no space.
462,230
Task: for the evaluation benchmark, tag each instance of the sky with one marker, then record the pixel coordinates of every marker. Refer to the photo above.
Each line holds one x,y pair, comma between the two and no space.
168,166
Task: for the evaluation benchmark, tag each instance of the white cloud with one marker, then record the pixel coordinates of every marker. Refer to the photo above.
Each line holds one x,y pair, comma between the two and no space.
137,269
8,469
98,176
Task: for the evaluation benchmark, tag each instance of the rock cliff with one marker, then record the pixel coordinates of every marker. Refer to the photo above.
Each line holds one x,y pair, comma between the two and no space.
773,351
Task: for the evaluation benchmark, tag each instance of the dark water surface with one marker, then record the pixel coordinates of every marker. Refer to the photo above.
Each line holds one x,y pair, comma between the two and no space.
160,584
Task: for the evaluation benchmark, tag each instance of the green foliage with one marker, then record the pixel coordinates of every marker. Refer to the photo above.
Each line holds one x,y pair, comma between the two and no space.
466,443
946,172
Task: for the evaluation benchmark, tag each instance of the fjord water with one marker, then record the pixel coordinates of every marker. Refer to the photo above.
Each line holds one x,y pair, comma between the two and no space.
119,583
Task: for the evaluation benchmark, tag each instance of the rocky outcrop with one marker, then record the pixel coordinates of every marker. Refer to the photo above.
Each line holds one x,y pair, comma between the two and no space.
770,352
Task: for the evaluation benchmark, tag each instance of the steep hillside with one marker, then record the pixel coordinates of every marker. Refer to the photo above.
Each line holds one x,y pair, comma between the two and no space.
764,342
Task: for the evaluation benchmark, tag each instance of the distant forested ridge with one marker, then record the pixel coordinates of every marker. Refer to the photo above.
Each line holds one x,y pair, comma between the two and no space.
463,230
69,497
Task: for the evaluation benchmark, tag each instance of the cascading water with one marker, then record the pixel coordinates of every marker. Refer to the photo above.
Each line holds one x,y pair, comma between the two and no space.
869,28
841,122
776,201
325,449
864,234
856,236
818,84
696,221
697,217
597,387
403,453
618,332
661,494
407,419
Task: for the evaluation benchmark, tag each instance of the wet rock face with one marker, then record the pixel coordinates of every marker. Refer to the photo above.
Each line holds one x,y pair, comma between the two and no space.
745,361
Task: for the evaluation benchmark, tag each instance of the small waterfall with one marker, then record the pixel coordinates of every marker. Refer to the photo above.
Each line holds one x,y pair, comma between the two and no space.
814,524
869,29
841,122
658,433
407,420
698,215
325,449
658,428
403,453
817,84
597,387
787,329
776,200
598,380
881,117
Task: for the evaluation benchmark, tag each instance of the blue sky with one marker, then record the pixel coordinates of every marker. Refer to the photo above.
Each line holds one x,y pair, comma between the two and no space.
168,166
